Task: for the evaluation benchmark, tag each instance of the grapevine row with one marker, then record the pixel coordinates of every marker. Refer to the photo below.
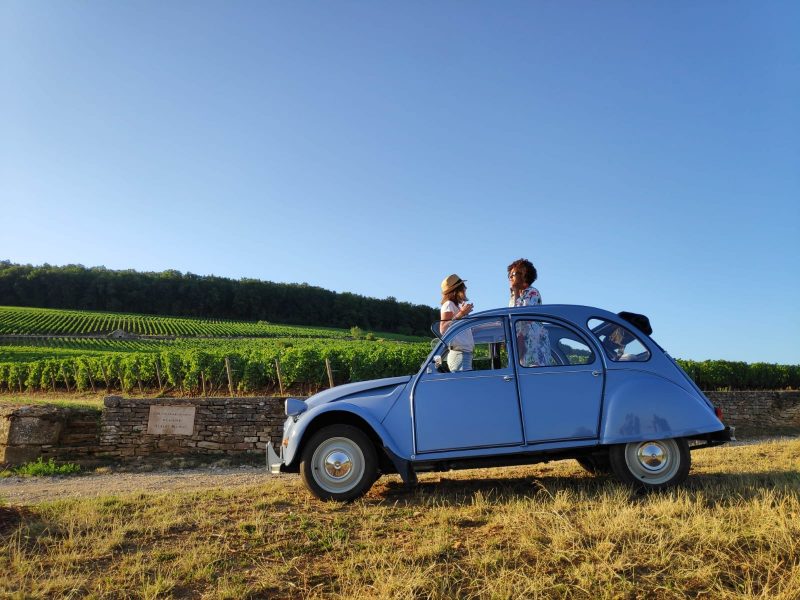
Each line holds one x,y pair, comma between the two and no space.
188,370
195,370
43,321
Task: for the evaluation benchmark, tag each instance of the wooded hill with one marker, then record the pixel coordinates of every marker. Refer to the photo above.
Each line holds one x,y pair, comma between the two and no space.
186,294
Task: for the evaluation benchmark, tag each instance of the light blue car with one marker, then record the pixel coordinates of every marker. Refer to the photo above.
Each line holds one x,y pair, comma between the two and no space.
547,382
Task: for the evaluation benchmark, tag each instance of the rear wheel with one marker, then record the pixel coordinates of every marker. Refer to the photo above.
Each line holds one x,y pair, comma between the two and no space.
339,463
651,465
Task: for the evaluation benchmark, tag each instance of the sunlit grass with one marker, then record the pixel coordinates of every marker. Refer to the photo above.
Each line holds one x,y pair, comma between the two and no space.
733,531
42,468
63,399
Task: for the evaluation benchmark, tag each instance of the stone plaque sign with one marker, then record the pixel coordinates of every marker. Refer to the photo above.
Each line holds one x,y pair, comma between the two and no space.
171,420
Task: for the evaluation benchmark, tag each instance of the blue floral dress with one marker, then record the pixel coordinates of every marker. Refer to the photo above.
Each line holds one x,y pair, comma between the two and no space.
534,340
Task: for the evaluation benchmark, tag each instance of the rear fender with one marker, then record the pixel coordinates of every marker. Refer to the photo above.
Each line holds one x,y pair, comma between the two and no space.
640,405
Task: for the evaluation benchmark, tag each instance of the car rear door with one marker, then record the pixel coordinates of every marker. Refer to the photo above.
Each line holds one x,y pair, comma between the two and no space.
560,380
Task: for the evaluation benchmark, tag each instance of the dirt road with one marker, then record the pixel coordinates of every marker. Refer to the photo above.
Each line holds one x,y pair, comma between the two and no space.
22,491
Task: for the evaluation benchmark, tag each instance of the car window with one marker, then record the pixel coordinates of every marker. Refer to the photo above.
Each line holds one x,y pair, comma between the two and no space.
487,338
544,344
619,342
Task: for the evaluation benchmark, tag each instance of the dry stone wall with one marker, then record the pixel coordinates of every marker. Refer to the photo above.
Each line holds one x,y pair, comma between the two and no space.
759,413
28,432
219,426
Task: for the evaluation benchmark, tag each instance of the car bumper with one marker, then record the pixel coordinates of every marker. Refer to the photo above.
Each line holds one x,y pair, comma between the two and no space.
274,462
716,438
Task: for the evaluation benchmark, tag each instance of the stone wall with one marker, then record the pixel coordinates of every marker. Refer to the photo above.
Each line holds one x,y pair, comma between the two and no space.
243,426
759,413
221,426
28,432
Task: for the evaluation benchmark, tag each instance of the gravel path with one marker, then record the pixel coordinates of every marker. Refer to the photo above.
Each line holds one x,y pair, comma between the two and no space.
31,490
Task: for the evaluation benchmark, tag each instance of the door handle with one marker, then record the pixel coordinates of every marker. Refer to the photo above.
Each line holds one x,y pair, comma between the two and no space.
508,378
596,373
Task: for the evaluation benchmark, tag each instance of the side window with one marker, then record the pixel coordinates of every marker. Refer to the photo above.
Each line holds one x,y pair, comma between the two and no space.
543,344
477,347
619,342
490,346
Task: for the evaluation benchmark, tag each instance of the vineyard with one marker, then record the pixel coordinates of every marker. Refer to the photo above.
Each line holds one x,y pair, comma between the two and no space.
57,350
47,350
203,369
45,321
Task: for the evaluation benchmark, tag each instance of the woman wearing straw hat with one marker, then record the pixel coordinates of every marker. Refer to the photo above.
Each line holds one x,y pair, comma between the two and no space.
455,306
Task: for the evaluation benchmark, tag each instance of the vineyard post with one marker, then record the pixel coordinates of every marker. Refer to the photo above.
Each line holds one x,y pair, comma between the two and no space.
64,375
105,376
53,379
203,379
88,372
278,372
19,380
330,371
230,379
158,375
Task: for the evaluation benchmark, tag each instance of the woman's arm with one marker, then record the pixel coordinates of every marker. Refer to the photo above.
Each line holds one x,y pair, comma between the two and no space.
447,319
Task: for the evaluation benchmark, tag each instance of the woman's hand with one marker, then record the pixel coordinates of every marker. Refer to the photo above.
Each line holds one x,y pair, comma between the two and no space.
464,310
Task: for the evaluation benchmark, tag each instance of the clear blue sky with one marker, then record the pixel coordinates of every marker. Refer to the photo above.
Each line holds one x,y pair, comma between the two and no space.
645,156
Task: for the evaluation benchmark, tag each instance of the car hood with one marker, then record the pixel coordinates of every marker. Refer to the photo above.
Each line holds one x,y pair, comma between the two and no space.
386,388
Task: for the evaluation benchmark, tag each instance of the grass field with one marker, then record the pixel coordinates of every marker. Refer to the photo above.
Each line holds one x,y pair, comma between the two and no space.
733,531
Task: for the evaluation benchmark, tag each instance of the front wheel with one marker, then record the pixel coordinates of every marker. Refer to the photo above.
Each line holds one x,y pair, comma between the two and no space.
651,465
339,463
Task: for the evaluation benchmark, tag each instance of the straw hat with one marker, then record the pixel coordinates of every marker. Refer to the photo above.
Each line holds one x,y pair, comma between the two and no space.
451,282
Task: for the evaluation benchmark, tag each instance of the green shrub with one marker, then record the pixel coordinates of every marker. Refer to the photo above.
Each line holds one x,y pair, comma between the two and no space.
40,468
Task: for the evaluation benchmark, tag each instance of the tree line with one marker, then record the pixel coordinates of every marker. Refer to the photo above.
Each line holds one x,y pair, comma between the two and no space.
186,294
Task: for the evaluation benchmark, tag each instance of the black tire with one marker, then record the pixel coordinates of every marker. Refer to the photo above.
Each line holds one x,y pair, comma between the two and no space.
596,464
653,464
339,463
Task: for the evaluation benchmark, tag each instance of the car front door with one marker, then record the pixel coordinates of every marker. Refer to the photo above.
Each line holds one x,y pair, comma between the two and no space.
476,408
560,381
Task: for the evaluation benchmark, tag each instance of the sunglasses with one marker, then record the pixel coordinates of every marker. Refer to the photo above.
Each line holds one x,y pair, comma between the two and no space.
514,274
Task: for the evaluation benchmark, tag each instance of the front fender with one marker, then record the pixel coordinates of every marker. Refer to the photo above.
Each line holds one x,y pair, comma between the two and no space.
641,405
297,432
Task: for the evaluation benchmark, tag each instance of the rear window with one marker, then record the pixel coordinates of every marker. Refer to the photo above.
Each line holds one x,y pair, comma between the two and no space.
619,342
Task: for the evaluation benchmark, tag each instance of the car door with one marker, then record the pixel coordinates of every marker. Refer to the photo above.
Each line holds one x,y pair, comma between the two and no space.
560,381
478,408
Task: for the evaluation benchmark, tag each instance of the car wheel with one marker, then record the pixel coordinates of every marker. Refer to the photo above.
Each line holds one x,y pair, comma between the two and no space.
339,463
651,465
596,464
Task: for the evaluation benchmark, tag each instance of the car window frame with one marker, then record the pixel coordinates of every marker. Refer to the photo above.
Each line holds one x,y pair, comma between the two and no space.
589,340
456,329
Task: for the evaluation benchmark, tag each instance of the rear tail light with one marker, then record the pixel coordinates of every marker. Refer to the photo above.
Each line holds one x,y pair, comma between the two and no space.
718,412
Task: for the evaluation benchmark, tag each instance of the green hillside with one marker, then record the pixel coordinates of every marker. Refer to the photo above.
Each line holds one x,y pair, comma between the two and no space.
15,320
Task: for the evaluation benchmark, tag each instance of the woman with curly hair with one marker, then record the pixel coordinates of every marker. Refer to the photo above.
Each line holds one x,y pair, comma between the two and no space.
521,275
533,339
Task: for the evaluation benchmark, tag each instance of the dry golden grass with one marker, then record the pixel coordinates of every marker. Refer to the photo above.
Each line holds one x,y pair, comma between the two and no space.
733,531
73,399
